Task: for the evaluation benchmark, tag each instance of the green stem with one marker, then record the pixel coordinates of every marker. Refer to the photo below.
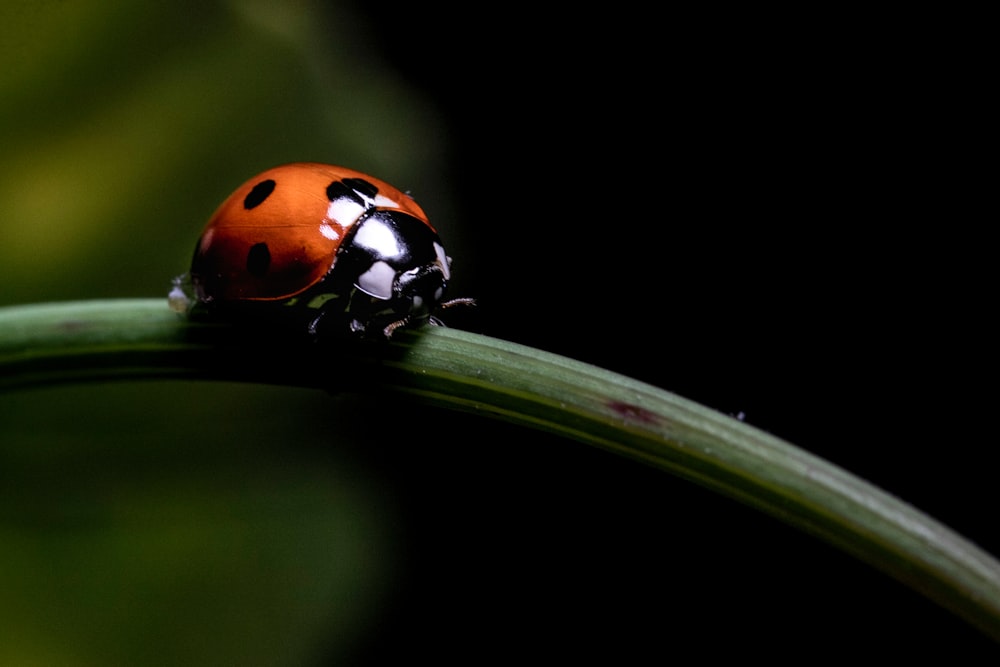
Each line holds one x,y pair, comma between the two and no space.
87,341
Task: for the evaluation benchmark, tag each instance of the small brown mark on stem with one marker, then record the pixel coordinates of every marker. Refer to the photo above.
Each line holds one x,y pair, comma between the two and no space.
634,412
72,326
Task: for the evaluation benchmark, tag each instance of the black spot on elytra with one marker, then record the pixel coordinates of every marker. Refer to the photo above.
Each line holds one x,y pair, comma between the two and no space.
260,192
258,259
351,187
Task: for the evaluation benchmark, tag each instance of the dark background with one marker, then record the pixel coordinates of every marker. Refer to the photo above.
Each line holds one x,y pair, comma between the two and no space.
757,212
769,213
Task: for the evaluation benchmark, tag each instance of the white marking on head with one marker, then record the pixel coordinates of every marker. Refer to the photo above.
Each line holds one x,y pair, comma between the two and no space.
344,211
384,202
377,280
378,238
443,260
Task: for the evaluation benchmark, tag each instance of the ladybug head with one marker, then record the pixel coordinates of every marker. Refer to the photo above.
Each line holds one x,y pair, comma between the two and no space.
398,263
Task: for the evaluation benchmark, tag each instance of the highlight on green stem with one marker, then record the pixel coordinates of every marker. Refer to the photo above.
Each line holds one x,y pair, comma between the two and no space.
99,340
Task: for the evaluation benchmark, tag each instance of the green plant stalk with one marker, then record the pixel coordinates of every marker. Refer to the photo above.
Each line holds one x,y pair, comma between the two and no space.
143,339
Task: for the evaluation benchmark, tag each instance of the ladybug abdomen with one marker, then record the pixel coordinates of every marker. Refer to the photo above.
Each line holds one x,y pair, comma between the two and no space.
233,263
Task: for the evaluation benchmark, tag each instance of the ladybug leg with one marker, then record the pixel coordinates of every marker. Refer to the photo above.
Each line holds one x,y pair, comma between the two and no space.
461,301
313,327
392,326
451,303
431,319
326,321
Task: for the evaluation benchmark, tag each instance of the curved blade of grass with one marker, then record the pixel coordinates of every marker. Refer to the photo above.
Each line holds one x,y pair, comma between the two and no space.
87,341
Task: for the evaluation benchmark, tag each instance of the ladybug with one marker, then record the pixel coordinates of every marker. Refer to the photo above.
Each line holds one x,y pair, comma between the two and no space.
341,249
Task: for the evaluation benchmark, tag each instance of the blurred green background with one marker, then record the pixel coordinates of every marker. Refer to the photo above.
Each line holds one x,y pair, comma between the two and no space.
175,523
727,204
